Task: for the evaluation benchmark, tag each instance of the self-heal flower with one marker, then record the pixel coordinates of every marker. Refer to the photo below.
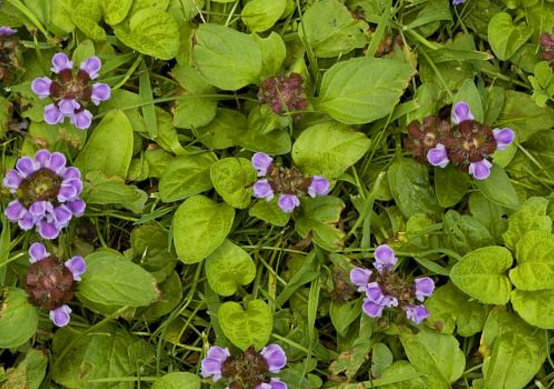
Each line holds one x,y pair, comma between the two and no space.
438,156
360,278
7,31
261,162
504,137
416,313
458,2
283,94
275,357
263,190
384,258
318,186
424,287
480,170
461,112
274,383
51,282
288,202
46,193
70,92
212,365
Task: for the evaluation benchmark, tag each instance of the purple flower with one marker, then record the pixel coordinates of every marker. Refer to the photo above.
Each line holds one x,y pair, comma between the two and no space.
360,278
461,111
424,287
480,170
504,137
37,252
416,313
213,363
60,62
41,87
261,162
288,202
61,316
374,293
274,383
82,119
77,266
372,309
319,186
7,31
100,92
263,190
48,193
384,258
438,156
52,114
68,106
275,357
91,66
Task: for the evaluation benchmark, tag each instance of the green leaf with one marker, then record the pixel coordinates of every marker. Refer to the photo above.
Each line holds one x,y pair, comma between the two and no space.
270,213
465,233
450,308
232,178
86,15
410,187
150,246
328,149
171,292
318,218
229,267
101,189
470,94
111,280
246,327
535,262
362,90
531,216
402,376
227,58
535,307
437,356
116,10
343,314
29,373
178,380
514,351
451,185
222,131
489,214
482,275
152,32
109,148
18,318
261,15
506,38
186,176
200,226
274,52
499,189
330,29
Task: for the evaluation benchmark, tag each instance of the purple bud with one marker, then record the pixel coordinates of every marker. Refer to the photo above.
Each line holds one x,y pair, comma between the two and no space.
319,186
263,190
423,287
100,92
480,170
26,166
288,202
92,66
504,137
416,313
12,180
374,293
372,309
7,31
261,162
212,365
384,258
77,266
61,316
52,115
48,230
275,357
37,251
438,156
461,112
360,278
68,107
82,120
60,62
41,87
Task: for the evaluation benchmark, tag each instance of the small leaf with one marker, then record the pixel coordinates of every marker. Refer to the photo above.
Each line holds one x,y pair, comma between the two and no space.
270,213
261,15
482,275
535,261
18,318
200,226
451,185
499,189
86,15
116,10
531,216
232,178
319,218
506,38
229,267
535,307
246,327
178,380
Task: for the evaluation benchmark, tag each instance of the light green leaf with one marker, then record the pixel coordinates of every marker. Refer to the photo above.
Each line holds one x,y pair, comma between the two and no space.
506,38
531,216
86,15
437,356
200,226
227,58
274,52
470,94
246,327
465,233
482,275
328,149
362,90
535,307
222,132
270,213
261,15
319,218
116,10
232,178
186,176
178,380
229,267
535,261
29,373
18,318
499,189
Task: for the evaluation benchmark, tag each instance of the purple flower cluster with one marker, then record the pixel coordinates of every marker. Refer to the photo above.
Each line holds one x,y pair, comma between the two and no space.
546,42
465,142
283,94
289,184
47,193
51,282
385,289
249,370
71,92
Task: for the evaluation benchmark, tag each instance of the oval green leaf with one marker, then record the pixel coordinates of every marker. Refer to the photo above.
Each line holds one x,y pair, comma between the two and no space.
232,178
246,327
18,318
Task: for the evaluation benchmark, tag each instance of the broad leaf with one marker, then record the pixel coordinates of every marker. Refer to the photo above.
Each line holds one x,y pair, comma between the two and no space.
247,327
531,216
232,178
535,262
18,318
